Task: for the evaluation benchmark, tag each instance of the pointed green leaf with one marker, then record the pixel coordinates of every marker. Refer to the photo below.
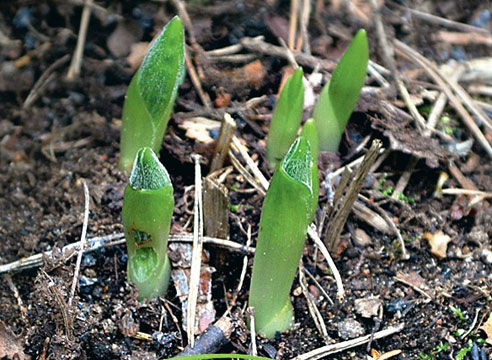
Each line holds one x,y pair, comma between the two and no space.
338,97
151,94
286,118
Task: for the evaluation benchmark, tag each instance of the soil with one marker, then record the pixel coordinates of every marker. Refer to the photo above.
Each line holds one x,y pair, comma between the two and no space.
70,135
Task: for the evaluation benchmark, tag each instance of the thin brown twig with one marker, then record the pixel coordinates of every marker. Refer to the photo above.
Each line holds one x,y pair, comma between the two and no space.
294,4
43,81
83,236
75,64
434,19
195,80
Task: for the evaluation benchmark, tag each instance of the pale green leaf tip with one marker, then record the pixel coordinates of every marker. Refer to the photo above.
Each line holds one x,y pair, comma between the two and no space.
297,162
148,173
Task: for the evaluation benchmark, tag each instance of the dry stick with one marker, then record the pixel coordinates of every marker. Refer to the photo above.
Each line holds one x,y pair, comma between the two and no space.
371,218
433,19
336,274
294,4
252,329
303,39
113,240
334,348
195,80
237,146
196,256
223,142
404,178
244,172
415,287
320,288
435,74
74,69
394,228
435,113
313,309
339,215
82,244
455,72
243,270
43,81
20,303
215,336
259,46
454,191
389,60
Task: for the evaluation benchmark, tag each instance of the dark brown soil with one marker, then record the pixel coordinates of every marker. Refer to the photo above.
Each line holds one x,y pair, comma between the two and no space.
70,134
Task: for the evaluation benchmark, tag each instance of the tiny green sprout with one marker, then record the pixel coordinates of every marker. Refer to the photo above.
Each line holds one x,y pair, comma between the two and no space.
338,97
456,310
147,210
310,132
285,217
151,94
461,354
286,119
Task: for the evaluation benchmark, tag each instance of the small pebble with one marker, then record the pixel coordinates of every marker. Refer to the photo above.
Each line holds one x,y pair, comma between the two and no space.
350,329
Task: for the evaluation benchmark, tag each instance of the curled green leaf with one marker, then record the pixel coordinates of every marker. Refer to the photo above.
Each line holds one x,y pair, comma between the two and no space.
147,210
310,133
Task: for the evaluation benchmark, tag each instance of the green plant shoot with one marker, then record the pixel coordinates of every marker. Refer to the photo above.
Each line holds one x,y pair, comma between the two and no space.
286,119
285,216
147,210
151,94
310,132
338,97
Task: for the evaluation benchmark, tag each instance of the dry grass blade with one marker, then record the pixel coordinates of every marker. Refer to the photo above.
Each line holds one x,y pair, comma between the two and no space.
196,257
82,245
435,74
238,147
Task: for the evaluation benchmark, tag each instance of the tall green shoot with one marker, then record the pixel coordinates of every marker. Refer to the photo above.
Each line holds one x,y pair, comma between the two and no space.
286,119
338,97
286,214
151,94
147,210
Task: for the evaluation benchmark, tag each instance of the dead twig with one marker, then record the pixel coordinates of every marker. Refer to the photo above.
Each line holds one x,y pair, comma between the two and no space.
436,75
223,142
82,244
313,309
196,257
108,241
335,348
336,274
43,81
75,64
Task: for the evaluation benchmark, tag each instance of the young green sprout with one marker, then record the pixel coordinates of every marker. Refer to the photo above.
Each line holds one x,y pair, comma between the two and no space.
286,213
147,210
151,94
310,132
338,97
286,119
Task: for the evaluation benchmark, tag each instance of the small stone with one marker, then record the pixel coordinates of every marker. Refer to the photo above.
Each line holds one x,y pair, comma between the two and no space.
350,329
108,326
361,238
486,255
368,307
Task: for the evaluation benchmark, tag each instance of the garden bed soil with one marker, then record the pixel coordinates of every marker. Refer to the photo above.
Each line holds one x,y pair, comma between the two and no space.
70,135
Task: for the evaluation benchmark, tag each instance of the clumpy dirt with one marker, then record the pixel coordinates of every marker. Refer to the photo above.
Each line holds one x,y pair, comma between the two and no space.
70,135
